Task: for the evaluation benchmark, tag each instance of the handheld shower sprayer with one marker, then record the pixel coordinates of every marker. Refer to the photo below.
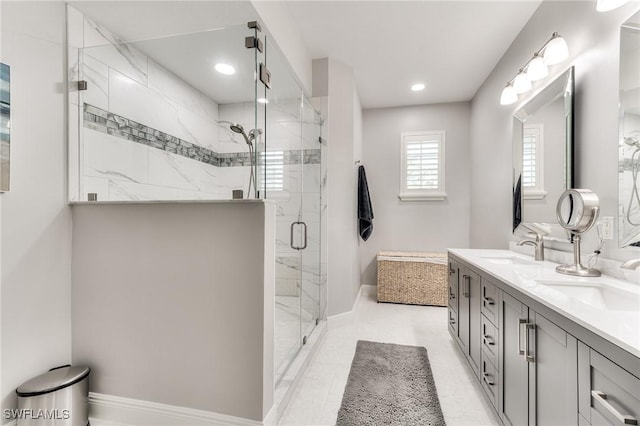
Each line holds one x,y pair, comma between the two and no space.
253,133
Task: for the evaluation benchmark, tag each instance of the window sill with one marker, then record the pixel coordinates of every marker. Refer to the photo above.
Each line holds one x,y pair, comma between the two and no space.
433,196
535,195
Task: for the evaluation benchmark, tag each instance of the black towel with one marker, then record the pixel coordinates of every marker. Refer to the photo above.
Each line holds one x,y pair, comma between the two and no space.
365,211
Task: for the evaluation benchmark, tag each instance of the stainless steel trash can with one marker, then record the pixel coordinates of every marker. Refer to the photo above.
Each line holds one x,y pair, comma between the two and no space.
59,397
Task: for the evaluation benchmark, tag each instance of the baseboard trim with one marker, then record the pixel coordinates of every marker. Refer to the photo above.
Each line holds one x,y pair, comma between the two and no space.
146,413
347,318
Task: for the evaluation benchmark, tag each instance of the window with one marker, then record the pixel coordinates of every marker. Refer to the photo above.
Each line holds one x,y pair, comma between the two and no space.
532,162
273,162
422,166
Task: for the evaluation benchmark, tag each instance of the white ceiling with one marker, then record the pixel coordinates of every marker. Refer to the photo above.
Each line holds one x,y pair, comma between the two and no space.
451,46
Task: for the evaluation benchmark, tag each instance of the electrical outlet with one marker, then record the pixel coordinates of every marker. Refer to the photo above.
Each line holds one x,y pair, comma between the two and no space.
606,228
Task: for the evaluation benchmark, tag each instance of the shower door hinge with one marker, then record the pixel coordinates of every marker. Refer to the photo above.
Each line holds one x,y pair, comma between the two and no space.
254,25
317,321
82,85
265,75
304,340
252,42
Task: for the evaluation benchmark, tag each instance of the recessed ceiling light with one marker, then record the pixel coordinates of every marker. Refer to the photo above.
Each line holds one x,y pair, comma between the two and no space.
263,100
225,69
417,87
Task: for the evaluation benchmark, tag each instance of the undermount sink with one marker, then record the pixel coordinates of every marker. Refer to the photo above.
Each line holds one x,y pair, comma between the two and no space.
598,295
507,260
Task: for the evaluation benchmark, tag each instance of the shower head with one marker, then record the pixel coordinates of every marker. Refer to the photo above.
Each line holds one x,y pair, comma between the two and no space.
237,128
632,141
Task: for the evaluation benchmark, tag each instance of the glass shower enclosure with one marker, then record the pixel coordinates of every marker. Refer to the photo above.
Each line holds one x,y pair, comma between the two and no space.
212,115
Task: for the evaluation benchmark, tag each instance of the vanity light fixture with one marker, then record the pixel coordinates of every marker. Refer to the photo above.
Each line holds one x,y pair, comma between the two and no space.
509,95
554,51
225,69
522,82
607,5
417,87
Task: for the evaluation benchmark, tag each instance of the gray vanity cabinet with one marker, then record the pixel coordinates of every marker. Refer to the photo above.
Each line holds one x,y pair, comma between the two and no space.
539,368
607,394
464,312
529,361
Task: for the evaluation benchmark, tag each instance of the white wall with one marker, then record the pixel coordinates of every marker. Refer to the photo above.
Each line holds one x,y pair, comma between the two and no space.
36,222
186,316
593,39
416,225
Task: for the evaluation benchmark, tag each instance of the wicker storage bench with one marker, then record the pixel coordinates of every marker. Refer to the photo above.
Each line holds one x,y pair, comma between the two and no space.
412,278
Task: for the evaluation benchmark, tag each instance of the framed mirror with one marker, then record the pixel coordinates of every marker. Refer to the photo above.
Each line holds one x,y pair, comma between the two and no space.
543,156
629,139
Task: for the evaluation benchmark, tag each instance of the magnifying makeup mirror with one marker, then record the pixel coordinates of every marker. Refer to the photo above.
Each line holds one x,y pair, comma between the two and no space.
577,211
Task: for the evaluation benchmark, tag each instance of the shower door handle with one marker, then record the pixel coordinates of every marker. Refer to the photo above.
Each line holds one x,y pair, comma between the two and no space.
304,246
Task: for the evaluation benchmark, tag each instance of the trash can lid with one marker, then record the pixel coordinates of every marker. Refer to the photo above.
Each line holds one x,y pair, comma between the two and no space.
55,379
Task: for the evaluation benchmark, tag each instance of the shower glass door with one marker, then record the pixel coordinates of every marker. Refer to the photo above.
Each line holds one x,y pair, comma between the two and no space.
289,170
310,167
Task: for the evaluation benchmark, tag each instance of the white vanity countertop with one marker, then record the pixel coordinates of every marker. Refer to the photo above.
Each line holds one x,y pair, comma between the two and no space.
621,327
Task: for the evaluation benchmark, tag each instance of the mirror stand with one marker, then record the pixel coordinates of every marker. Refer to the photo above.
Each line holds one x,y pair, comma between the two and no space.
577,268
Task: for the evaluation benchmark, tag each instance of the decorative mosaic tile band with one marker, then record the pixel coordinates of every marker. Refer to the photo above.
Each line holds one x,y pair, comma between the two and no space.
121,127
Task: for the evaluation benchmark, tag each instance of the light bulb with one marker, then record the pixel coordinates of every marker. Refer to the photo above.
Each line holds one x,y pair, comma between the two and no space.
607,5
537,69
556,50
417,87
509,95
521,83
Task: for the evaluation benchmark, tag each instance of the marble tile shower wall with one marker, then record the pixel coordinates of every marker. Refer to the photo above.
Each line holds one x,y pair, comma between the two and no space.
131,86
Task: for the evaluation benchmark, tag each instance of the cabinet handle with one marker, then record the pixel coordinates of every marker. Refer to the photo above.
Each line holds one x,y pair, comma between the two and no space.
451,270
485,377
520,324
532,328
488,301
488,340
452,321
601,398
466,286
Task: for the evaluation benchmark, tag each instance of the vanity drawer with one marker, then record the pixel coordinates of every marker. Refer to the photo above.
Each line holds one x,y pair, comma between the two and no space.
489,340
490,298
607,394
453,322
489,376
453,296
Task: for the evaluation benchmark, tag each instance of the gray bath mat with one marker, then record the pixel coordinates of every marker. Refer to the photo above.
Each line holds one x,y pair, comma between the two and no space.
390,385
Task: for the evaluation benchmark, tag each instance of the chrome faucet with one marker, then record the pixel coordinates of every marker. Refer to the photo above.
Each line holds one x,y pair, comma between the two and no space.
538,243
631,264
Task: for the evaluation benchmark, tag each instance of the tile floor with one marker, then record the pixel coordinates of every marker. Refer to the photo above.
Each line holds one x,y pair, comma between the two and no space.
317,399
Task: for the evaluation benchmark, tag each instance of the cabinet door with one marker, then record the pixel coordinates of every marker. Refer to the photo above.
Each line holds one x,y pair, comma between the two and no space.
553,374
513,367
475,321
469,330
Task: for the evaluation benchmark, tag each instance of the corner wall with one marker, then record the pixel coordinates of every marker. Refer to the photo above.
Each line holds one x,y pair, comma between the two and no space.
343,115
35,218
593,40
426,226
